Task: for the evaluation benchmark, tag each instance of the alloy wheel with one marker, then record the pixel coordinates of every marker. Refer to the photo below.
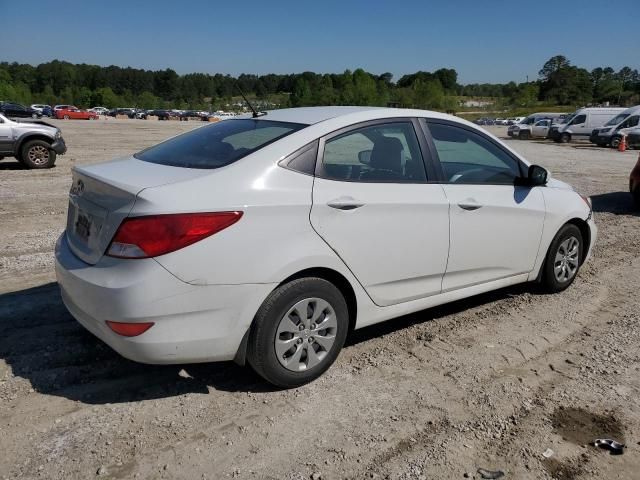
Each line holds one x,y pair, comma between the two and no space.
38,155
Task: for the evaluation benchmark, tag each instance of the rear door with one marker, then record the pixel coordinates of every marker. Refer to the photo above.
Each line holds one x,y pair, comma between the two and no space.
496,226
374,206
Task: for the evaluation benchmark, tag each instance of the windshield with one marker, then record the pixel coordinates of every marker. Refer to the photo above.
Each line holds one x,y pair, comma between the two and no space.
528,121
616,120
217,145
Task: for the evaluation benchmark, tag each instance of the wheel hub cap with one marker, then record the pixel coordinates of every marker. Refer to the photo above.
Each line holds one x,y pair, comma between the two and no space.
567,260
306,334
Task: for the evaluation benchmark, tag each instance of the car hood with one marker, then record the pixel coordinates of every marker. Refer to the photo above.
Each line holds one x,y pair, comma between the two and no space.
34,125
555,183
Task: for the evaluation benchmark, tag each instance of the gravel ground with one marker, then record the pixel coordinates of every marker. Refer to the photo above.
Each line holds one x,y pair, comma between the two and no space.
490,382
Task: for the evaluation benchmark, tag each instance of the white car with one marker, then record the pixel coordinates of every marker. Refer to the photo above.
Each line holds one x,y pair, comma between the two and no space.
270,238
99,110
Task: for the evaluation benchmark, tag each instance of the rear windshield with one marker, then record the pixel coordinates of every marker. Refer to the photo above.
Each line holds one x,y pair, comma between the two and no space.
217,145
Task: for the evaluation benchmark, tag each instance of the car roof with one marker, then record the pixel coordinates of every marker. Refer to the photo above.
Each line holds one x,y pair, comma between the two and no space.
312,115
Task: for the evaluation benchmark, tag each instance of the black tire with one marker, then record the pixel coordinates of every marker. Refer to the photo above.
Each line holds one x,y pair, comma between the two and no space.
549,279
565,138
615,142
37,154
261,349
524,135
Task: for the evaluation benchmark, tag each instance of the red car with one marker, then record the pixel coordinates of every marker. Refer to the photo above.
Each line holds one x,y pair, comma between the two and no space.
634,182
75,113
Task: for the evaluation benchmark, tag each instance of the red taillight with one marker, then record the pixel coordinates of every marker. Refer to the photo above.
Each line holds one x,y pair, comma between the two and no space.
144,237
129,329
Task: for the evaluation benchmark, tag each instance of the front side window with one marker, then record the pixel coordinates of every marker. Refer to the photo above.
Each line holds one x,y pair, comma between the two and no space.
384,153
217,145
467,157
579,120
630,122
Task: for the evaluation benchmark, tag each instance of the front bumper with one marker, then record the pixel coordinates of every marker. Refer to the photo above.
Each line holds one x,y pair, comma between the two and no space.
600,139
59,146
193,323
593,229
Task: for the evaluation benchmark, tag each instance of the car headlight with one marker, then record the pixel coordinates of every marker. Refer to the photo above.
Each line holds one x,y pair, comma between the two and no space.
605,130
58,135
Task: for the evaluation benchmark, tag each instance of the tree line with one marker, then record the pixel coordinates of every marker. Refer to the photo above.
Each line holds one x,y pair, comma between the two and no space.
60,82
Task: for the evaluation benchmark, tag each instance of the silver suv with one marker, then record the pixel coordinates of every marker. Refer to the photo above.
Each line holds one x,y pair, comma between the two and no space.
34,144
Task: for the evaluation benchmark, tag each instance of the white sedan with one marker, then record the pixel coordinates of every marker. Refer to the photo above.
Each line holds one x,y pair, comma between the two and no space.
267,239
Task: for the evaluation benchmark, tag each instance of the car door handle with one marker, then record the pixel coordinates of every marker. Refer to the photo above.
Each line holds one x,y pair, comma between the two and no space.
345,203
469,206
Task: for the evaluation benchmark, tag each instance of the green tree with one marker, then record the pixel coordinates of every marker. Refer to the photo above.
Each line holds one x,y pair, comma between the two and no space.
553,65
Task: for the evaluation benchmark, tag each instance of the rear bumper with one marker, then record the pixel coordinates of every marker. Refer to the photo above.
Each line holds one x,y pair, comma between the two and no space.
192,323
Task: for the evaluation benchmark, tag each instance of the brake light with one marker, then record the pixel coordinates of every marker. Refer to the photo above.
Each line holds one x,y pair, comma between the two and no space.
154,235
129,329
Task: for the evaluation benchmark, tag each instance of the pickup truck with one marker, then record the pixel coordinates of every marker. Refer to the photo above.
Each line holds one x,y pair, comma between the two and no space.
34,144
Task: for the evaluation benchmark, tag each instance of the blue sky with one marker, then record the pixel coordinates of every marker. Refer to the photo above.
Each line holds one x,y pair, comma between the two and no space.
484,40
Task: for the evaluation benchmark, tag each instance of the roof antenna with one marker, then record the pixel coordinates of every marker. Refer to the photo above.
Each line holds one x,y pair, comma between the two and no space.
255,113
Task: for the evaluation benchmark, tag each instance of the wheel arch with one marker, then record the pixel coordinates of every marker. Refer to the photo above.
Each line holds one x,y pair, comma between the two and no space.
28,138
328,274
585,231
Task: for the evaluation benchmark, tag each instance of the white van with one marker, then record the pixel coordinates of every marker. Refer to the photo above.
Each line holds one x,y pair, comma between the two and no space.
583,122
621,124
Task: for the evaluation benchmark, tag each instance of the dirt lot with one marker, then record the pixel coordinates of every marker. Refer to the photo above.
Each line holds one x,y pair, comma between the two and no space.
489,382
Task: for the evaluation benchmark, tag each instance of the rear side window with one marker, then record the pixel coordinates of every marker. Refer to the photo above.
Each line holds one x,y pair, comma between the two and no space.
379,153
217,145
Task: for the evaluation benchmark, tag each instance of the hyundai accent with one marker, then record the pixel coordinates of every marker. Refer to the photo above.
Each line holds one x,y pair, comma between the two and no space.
267,239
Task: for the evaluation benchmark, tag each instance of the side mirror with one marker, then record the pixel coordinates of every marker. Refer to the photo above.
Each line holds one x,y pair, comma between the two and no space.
537,176
364,157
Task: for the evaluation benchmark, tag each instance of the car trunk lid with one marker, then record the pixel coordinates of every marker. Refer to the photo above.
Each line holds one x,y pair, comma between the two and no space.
102,196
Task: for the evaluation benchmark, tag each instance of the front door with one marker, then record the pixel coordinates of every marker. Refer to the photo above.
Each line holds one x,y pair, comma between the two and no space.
373,206
6,140
541,128
495,226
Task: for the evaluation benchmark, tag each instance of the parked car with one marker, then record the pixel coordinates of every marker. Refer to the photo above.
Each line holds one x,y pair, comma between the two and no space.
161,114
582,122
634,180
99,110
74,113
46,110
34,144
270,238
514,120
612,131
60,107
186,115
524,129
484,121
15,110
